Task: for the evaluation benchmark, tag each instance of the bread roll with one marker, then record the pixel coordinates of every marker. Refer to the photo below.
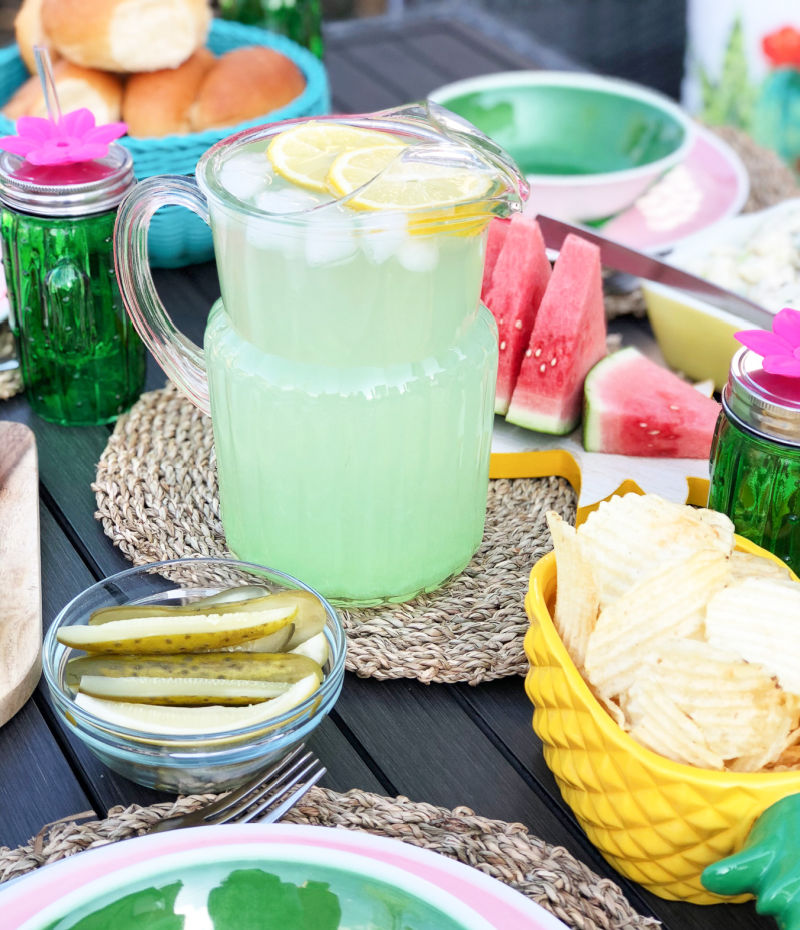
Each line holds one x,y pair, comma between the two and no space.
243,84
29,32
156,103
76,87
126,35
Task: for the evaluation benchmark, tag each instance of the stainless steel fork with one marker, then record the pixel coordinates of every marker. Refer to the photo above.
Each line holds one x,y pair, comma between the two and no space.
265,798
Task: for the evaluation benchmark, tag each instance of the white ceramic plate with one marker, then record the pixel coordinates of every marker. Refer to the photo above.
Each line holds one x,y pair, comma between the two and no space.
711,185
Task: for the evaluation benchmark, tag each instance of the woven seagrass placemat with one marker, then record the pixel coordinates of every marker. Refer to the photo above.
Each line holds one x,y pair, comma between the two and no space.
156,491
546,874
10,382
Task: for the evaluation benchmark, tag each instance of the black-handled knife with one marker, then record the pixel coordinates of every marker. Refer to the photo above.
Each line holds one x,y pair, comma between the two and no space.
619,257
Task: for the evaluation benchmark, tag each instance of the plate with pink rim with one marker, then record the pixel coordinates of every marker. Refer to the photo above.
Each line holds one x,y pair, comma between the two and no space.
297,877
710,185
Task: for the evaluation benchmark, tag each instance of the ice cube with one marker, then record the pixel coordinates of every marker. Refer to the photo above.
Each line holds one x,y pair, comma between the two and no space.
415,254
270,235
382,234
245,175
288,200
329,238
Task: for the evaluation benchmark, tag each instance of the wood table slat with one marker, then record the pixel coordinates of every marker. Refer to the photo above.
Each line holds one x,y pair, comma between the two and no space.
37,785
408,78
435,752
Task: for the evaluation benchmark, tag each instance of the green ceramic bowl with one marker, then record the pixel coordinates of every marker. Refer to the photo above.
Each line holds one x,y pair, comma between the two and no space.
589,145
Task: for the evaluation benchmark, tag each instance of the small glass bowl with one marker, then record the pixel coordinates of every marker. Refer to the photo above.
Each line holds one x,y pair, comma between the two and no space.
187,764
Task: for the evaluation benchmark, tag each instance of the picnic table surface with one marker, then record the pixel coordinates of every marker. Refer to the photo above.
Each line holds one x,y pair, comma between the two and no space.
447,745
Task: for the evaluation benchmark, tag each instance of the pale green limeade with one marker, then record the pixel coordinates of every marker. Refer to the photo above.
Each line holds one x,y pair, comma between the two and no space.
214,898
351,373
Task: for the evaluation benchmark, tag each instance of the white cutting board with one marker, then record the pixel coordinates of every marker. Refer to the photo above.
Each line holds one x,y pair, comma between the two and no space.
594,475
20,573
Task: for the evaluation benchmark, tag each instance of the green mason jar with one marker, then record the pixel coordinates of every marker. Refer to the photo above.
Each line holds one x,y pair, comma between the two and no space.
755,457
300,20
82,362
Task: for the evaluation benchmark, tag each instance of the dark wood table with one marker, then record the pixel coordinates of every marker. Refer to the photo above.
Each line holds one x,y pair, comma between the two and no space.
447,745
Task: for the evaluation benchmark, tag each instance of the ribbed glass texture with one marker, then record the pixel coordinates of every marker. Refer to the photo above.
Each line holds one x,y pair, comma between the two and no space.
756,482
81,360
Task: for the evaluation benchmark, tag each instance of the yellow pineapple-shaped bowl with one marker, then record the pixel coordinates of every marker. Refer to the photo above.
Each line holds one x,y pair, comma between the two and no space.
657,822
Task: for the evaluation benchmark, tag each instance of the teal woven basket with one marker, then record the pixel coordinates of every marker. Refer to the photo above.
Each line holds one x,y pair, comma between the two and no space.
178,237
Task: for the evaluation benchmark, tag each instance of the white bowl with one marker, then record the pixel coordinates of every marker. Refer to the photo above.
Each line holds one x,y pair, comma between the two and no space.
588,145
695,337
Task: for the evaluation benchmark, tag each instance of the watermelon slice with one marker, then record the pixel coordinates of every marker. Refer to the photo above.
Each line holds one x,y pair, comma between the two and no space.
635,407
494,243
519,280
568,339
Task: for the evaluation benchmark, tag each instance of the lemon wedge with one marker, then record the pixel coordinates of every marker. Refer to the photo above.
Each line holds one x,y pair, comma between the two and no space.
304,153
395,184
195,721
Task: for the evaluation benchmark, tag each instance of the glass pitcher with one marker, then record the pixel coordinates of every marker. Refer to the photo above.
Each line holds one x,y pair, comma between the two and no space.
349,366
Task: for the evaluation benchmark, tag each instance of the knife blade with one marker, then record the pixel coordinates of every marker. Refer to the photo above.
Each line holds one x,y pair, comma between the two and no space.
619,257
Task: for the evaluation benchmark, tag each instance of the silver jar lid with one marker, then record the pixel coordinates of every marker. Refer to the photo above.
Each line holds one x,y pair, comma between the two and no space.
769,405
80,196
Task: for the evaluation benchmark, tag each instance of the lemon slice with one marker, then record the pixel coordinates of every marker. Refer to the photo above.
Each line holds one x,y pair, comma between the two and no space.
304,153
402,185
195,721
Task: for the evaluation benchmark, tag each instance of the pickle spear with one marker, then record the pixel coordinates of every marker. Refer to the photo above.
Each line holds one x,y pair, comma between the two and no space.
165,635
230,666
308,621
209,606
202,722
183,692
244,592
315,648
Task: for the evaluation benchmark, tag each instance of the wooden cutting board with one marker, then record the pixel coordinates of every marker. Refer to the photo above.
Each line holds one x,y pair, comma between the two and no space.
20,573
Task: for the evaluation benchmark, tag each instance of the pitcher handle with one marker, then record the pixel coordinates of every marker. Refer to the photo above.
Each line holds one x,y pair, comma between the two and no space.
181,359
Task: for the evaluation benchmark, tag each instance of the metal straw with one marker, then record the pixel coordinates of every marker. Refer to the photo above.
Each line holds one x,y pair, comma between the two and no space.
45,69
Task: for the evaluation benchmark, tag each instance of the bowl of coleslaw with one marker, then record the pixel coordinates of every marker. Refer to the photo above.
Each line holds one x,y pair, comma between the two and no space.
755,254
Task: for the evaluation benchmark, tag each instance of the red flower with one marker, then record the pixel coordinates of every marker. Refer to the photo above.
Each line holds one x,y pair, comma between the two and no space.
782,47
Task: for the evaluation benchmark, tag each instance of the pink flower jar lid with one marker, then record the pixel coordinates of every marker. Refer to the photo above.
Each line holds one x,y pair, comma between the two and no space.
763,389
65,168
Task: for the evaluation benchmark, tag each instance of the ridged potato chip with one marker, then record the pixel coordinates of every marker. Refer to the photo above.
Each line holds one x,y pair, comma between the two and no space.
739,709
692,646
669,603
748,565
577,601
632,536
658,723
789,758
759,620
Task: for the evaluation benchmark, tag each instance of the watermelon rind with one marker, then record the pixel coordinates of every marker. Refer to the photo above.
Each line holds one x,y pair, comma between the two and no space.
555,424
593,407
634,406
